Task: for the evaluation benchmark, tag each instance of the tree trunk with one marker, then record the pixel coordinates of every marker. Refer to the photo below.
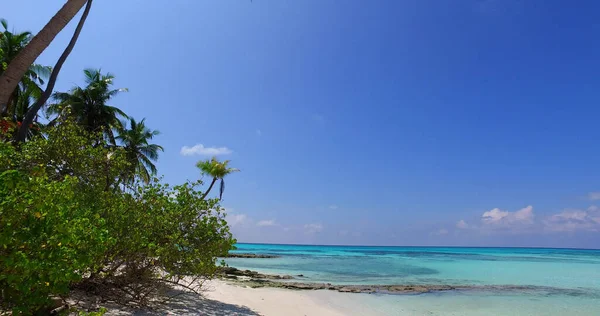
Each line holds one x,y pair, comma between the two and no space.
209,188
19,65
32,112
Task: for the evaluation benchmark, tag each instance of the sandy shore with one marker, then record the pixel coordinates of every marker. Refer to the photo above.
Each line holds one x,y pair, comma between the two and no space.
268,301
223,299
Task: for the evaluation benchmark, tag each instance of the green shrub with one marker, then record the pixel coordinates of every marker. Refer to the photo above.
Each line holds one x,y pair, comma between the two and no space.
50,235
67,220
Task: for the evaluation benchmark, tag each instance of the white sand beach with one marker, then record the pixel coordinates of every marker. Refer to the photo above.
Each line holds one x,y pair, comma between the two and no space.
269,301
223,299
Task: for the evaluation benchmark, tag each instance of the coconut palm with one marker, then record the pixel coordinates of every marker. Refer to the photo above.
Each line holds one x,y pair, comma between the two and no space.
23,103
10,45
26,57
32,113
139,152
217,170
88,105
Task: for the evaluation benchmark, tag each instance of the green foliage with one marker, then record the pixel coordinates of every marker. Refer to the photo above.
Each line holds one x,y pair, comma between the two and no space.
51,235
67,219
29,88
88,105
73,214
217,170
67,150
140,153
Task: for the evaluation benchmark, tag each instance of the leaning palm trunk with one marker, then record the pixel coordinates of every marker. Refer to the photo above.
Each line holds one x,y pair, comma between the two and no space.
18,67
32,112
209,188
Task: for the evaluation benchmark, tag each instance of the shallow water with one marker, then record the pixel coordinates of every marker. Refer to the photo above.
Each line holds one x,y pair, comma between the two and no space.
557,281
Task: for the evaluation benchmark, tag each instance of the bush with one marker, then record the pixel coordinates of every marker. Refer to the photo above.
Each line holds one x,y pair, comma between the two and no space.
67,220
51,234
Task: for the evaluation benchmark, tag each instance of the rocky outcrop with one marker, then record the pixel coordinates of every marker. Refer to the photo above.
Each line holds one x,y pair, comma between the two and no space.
234,273
255,280
384,289
251,255
415,288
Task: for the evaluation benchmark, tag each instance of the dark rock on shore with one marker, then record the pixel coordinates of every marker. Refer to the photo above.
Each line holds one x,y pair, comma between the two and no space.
415,289
384,289
255,279
233,273
251,255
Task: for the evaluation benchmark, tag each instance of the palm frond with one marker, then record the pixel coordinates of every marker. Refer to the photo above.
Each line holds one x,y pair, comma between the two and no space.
91,75
146,162
150,151
116,111
42,72
143,173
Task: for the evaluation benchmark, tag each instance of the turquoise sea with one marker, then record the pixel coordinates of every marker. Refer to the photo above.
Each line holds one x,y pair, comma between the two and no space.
510,281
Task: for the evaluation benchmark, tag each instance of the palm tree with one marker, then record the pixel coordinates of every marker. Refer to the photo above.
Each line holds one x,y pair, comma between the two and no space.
22,105
88,105
139,152
10,46
32,113
217,170
21,63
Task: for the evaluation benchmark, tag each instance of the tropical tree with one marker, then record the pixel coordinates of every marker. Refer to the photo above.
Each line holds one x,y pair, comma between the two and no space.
10,45
32,113
88,105
217,170
138,151
22,105
17,68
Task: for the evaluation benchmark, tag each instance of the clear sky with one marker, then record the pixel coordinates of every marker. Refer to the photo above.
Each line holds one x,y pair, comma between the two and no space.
416,122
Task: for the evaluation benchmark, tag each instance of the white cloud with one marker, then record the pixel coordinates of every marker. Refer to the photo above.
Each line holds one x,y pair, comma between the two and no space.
441,232
313,228
594,196
524,221
497,217
199,149
333,207
236,219
462,224
574,220
493,216
270,222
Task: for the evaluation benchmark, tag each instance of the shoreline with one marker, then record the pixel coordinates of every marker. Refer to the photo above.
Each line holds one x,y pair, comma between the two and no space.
274,301
242,292
255,280
220,298
227,298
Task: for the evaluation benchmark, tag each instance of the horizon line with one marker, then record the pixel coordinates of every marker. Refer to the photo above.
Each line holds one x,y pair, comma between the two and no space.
497,247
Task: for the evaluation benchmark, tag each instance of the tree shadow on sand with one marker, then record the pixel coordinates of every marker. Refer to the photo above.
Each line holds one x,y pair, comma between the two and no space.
186,303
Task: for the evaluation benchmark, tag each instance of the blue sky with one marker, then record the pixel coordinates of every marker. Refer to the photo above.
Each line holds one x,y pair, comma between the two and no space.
365,122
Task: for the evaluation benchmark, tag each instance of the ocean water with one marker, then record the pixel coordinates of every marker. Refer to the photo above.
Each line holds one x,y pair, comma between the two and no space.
510,281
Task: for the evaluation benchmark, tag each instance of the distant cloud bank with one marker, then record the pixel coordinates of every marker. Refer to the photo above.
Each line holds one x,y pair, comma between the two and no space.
270,222
594,196
313,228
524,221
200,150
